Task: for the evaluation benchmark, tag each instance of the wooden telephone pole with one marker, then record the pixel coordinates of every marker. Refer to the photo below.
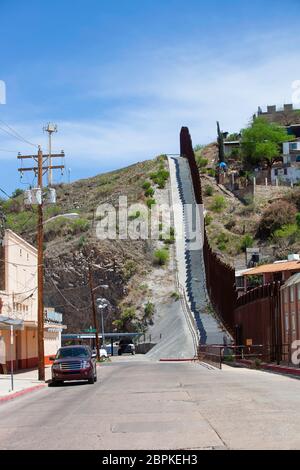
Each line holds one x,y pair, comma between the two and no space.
94,309
40,170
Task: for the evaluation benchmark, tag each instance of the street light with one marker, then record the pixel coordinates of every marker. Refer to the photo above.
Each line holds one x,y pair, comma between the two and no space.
102,303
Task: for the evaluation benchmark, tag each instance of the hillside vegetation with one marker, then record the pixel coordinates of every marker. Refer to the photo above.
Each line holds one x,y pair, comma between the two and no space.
118,265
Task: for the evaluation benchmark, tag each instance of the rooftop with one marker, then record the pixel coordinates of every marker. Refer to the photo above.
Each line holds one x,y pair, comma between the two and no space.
274,268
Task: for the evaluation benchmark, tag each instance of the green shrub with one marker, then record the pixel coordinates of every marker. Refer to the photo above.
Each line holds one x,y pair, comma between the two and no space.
160,177
146,185
222,241
287,232
52,210
17,192
81,241
218,204
247,242
201,162
175,296
150,202
277,215
126,320
22,221
149,310
149,192
208,219
161,256
129,268
13,206
211,172
209,190
79,226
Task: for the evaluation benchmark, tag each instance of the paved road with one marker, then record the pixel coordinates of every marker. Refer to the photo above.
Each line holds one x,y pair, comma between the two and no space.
139,404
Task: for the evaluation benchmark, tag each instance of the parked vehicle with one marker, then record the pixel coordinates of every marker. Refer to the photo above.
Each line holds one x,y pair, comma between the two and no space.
103,353
126,346
74,363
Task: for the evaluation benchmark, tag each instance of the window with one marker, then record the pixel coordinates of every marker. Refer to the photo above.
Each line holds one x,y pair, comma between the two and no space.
292,297
285,172
294,146
20,253
276,172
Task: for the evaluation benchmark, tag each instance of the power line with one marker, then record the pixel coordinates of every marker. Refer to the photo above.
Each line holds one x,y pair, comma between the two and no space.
5,193
16,134
8,151
68,302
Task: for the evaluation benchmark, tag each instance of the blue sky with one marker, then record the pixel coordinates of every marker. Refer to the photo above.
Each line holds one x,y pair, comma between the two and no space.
120,77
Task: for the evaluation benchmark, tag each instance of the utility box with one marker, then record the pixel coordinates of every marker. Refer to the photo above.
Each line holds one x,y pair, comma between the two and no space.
36,195
28,197
51,196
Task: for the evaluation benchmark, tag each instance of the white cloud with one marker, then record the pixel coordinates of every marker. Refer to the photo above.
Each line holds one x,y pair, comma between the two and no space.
154,94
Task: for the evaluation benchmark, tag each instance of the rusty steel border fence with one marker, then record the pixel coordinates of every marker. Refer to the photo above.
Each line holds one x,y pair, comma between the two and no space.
255,316
220,277
258,318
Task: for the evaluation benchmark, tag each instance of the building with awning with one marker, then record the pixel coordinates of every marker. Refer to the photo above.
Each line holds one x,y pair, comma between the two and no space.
279,271
6,323
19,305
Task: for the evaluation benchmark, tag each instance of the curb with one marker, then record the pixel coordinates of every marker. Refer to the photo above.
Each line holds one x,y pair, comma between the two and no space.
272,368
21,393
177,360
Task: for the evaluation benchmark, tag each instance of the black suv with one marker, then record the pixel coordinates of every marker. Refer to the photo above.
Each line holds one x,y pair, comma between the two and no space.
126,346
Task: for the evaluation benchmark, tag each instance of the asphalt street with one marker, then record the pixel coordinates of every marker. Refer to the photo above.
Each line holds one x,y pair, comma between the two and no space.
142,404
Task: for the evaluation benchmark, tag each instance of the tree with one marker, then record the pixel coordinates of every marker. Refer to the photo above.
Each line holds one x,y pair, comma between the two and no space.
261,142
220,144
18,192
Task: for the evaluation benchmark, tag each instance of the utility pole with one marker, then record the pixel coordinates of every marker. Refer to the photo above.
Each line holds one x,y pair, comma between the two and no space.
91,282
50,128
40,242
36,197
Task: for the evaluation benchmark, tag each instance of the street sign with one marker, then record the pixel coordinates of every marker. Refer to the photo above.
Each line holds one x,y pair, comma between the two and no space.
90,330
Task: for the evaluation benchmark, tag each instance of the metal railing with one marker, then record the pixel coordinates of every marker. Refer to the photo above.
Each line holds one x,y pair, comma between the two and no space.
211,354
217,354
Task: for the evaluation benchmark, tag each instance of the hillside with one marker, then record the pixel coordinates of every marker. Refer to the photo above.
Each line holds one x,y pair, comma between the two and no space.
120,267
233,225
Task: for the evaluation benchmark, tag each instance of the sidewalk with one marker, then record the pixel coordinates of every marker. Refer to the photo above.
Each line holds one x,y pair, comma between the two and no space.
24,382
277,369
